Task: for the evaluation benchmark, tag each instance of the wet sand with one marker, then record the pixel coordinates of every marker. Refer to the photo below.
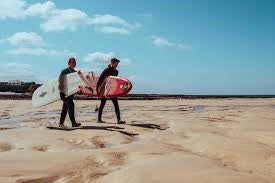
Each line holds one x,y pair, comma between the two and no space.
206,141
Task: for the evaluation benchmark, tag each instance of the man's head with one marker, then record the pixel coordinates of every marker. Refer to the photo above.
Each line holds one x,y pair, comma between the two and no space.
72,63
114,62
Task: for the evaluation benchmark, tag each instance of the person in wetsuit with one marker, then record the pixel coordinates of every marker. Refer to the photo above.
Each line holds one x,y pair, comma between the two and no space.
68,104
109,71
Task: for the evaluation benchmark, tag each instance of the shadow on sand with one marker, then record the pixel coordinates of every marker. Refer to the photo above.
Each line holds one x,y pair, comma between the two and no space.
107,128
148,125
113,128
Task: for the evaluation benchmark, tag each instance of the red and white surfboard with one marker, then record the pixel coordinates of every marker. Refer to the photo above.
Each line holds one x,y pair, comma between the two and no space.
112,86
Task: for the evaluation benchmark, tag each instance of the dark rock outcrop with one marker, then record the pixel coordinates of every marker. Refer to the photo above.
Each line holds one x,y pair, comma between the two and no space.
18,87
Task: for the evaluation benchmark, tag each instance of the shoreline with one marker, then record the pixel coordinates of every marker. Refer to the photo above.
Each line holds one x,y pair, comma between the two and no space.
28,96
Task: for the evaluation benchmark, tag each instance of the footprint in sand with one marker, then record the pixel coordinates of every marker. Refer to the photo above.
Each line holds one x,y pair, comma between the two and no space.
6,128
43,179
42,148
77,143
217,119
4,114
38,113
16,175
128,140
98,142
5,147
117,158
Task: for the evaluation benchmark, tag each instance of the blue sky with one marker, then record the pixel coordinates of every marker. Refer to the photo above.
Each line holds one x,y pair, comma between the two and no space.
177,47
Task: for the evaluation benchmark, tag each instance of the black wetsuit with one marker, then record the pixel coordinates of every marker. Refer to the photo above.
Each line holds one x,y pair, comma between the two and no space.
68,104
110,71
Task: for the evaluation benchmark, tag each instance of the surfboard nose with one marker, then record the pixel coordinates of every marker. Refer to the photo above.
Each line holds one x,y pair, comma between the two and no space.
127,86
130,86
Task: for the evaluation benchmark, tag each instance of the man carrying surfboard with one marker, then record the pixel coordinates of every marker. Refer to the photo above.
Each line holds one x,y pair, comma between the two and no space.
109,71
68,104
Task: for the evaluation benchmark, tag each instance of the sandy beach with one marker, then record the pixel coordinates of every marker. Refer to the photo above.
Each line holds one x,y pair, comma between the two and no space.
206,141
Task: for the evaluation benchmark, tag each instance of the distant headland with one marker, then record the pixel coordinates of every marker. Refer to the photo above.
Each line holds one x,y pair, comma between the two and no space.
13,90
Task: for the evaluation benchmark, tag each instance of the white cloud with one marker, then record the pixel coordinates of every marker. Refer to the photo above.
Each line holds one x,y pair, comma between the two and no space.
57,20
99,57
42,10
12,9
39,52
16,71
112,24
184,47
114,30
104,58
110,20
15,67
163,42
20,71
30,43
26,39
70,19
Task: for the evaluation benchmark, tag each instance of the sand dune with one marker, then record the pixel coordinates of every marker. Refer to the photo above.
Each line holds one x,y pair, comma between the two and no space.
218,140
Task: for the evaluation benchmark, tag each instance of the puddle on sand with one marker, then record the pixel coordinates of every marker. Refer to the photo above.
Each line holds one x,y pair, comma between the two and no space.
23,121
10,122
198,108
108,145
136,139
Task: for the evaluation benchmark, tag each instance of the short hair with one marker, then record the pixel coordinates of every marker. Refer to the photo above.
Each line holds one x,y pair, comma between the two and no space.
114,60
72,59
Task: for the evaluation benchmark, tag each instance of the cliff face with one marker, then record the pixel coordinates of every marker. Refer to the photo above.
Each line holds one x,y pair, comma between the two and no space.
24,87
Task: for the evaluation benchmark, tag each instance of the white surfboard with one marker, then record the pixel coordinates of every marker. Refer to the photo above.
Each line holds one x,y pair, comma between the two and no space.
49,92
